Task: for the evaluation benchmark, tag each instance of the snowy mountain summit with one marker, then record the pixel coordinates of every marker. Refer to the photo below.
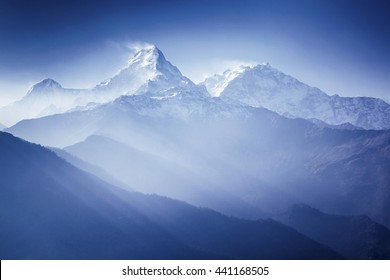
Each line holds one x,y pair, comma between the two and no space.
147,73
44,98
46,86
265,86
150,75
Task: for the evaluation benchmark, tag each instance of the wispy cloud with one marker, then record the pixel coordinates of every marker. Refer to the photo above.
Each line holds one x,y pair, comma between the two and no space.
136,46
218,66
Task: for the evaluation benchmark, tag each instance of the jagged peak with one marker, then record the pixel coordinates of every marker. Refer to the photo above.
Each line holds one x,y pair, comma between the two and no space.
264,66
47,83
242,68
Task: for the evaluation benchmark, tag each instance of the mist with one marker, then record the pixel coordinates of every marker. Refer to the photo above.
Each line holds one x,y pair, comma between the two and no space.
252,158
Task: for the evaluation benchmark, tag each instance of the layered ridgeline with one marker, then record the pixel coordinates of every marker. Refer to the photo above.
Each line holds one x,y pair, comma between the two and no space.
169,137
215,152
56,211
265,86
148,72
239,160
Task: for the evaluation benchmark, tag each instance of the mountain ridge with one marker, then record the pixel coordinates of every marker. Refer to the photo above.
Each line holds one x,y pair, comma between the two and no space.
265,86
243,150
56,211
356,237
229,153
147,73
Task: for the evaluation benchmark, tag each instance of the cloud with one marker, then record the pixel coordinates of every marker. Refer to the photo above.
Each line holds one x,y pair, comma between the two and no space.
136,46
234,63
218,66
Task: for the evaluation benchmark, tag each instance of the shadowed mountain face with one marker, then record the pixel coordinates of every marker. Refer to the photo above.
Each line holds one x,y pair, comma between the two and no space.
52,210
149,173
259,159
355,237
90,168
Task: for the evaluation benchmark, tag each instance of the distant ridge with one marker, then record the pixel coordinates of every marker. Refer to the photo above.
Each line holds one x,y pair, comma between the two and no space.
148,73
265,86
56,211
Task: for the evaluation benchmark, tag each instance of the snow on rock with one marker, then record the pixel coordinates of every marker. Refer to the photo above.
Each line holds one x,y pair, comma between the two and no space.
147,73
44,98
265,86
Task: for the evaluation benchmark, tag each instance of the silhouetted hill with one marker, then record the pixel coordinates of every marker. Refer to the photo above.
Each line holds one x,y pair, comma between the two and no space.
150,173
52,210
242,239
355,237
89,168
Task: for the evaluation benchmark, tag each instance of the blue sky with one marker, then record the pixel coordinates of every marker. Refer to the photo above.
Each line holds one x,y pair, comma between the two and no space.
339,46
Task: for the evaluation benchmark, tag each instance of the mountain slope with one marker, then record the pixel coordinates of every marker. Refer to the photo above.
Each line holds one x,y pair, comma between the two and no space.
264,159
356,237
90,168
361,170
44,98
148,72
229,236
136,111
52,210
150,173
264,86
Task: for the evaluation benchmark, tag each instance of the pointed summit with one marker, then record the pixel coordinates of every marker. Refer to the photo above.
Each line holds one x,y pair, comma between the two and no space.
44,98
153,59
148,56
44,88
45,85
148,73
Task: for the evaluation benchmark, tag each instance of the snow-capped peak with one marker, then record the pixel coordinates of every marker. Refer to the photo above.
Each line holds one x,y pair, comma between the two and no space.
217,83
267,87
46,84
153,59
147,72
147,56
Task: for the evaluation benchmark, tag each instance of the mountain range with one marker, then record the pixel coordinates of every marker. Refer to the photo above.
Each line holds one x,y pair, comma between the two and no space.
147,73
56,211
239,148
